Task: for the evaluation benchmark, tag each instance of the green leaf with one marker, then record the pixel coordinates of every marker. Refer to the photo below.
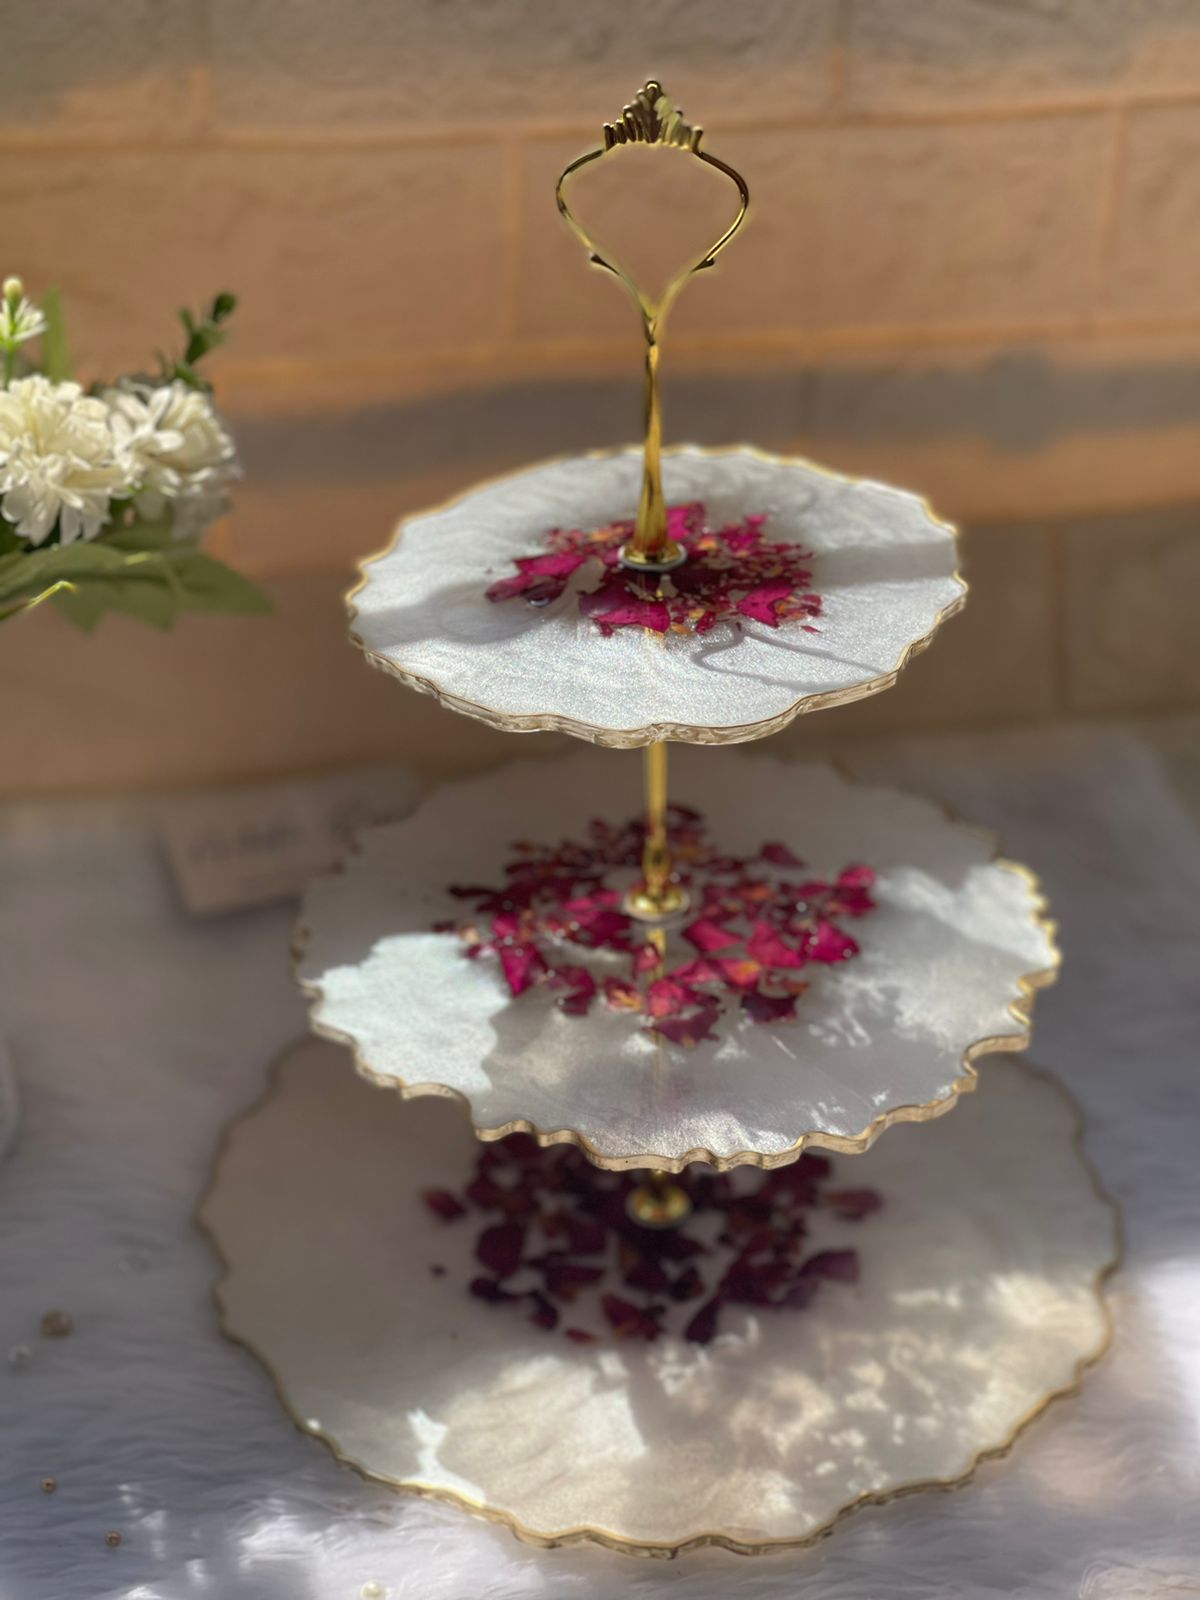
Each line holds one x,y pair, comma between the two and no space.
148,599
141,534
34,570
56,353
209,585
140,571
9,543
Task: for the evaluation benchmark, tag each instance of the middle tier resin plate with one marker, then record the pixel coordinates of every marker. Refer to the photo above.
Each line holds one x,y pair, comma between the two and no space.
801,589
845,954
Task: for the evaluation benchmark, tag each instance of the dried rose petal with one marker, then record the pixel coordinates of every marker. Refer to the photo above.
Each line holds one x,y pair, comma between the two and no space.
708,935
443,1204
764,600
840,1265
564,1279
499,1248
687,1285
645,959
522,966
614,606
831,944
779,856
629,1321
765,945
743,974
752,930
799,1295
622,996
703,1326
488,1289
769,1007
544,1314
647,1275
853,1204
757,1263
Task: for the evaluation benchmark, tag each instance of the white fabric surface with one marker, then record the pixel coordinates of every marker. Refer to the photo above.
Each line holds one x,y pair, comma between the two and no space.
137,1032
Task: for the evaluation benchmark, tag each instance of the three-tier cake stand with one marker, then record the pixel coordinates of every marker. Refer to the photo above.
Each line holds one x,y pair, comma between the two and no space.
591,1270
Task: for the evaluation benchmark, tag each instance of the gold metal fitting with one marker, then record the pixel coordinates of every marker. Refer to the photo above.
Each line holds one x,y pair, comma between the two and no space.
659,1202
671,555
657,905
652,119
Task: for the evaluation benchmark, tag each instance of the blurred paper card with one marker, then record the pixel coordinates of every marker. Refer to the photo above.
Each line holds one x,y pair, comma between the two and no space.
252,845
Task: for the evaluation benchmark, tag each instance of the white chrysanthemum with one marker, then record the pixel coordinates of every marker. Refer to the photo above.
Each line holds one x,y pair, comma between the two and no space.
60,461
181,452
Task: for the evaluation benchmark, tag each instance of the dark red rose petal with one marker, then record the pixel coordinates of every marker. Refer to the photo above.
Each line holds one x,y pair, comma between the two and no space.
779,856
769,1007
522,966
499,1248
443,1204
647,1275
831,944
564,1279
629,1321
708,936
798,1295
765,945
703,1326
687,1285
488,1289
840,1265
585,1236
544,1314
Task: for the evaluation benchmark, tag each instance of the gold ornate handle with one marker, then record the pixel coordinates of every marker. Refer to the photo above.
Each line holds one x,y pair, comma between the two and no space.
652,119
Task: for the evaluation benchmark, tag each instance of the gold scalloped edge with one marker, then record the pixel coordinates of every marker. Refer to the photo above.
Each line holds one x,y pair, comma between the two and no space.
654,732
1020,1009
584,1534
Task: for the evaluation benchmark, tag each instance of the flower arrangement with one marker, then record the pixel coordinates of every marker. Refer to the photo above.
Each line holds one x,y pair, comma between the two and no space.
106,491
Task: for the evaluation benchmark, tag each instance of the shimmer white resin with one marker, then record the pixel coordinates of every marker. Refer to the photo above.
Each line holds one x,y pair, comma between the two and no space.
979,1298
948,962
884,566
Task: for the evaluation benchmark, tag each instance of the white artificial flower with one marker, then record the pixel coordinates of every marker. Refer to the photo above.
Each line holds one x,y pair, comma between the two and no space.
20,319
60,461
182,455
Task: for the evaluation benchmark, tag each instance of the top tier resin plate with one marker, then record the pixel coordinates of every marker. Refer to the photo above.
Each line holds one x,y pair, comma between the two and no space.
803,589
847,952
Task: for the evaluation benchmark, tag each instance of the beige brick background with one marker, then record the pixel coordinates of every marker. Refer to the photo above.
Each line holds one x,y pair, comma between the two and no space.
971,269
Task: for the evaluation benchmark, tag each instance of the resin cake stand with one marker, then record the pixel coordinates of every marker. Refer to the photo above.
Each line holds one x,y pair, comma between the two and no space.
949,961
979,1300
884,566
789,959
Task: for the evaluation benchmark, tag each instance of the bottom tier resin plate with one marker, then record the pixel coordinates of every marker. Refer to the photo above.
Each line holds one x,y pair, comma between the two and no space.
925,1301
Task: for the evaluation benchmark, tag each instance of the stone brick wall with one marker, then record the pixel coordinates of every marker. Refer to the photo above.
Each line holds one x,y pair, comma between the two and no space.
972,269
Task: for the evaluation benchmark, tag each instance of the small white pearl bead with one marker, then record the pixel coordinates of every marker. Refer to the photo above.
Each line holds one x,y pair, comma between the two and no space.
20,1355
372,1591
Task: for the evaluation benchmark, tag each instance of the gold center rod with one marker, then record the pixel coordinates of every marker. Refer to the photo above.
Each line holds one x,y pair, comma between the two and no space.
656,858
650,534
